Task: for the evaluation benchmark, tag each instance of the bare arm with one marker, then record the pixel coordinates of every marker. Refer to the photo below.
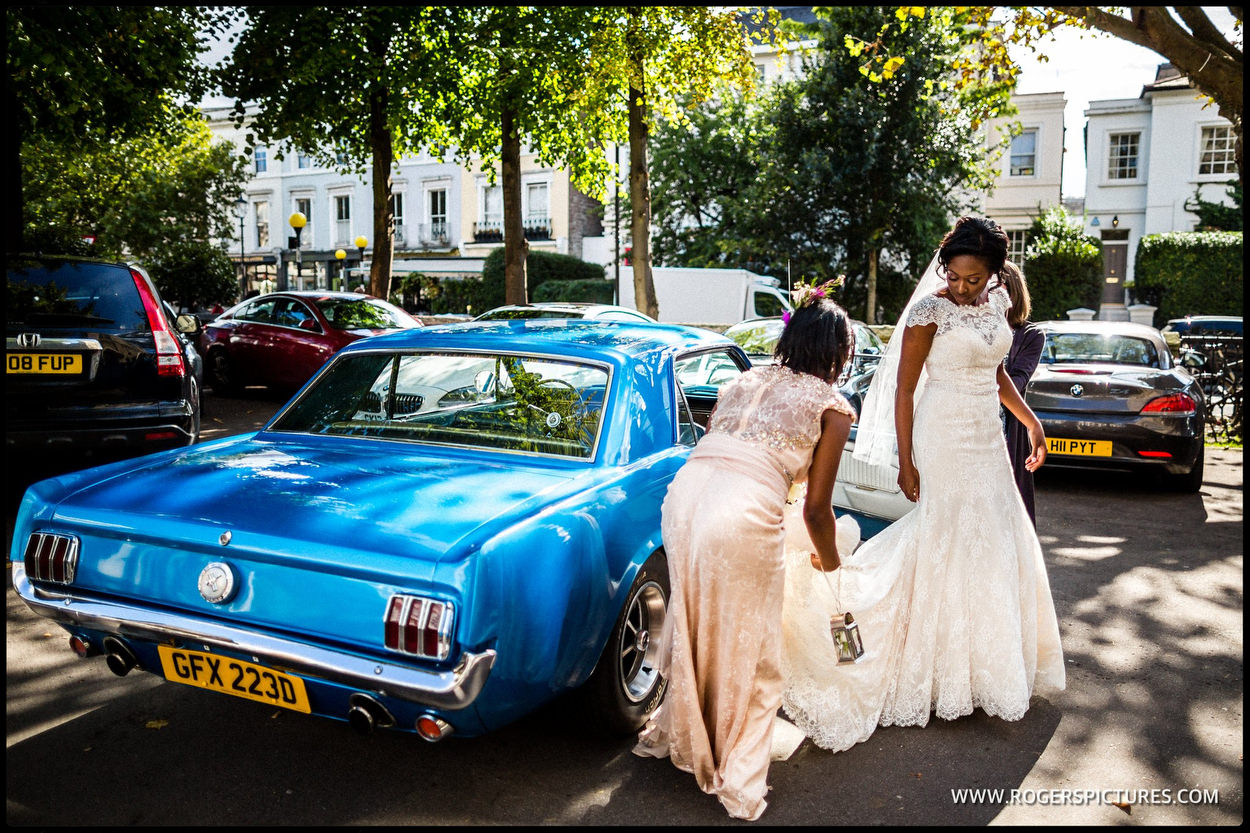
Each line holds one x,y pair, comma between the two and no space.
835,427
917,341
1014,402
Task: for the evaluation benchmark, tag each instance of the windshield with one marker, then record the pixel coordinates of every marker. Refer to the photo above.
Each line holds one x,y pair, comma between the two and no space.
363,314
1083,348
504,402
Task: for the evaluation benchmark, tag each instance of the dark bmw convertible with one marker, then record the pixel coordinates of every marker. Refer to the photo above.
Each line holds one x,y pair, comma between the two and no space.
1110,396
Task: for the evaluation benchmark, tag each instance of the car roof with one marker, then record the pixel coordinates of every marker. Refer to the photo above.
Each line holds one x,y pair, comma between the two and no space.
1124,328
573,337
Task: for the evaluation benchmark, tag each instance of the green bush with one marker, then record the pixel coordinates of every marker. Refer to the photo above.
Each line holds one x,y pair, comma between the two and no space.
1062,265
541,267
1189,273
194,274
590,291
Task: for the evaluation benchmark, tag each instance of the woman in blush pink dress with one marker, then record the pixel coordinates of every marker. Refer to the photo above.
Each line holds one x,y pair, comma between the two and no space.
724,535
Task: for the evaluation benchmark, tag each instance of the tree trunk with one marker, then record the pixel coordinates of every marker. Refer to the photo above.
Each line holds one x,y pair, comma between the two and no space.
383,213
515,247
870,314
639,176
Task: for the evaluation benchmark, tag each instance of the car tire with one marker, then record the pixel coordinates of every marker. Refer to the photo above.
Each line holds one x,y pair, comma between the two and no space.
224,378
1190,482
626,686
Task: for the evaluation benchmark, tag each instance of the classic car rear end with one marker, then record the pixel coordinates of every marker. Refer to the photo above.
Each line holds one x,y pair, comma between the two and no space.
367,560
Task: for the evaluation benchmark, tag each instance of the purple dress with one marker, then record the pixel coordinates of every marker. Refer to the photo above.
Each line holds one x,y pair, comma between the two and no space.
1027,341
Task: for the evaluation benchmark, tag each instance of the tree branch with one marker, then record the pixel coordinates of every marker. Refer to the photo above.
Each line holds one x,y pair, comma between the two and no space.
1205,31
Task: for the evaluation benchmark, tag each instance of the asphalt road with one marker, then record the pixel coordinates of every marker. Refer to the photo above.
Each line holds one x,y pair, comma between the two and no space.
1148,586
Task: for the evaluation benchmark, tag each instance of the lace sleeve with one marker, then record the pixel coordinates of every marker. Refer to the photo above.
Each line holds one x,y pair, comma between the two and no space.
837,402
928,310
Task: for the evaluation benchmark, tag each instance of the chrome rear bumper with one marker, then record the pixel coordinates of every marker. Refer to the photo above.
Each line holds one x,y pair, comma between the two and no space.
454,689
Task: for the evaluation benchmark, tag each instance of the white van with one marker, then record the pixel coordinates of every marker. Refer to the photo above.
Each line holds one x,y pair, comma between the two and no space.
709,296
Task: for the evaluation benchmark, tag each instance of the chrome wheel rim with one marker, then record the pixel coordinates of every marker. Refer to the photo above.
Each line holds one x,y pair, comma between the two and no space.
639,646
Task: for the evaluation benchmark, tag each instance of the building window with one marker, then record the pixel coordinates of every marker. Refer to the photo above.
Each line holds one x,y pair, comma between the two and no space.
536,211
304,206
303,160
438,215
1024,154
261,157
1016,242
1122,160
342,219
397,210
1217,151
262,224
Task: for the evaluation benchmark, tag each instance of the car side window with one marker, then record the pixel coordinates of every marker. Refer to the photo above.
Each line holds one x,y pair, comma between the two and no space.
260,312
290,312
700,377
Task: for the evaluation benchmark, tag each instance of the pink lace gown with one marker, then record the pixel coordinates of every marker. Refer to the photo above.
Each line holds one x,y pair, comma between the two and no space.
724,537
952,600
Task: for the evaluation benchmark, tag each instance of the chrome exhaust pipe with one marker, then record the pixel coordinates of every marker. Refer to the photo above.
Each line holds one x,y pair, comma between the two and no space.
120,658
367,714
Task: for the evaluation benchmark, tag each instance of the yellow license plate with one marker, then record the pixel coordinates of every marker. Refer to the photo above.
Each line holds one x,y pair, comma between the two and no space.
1080,448
234,676
43,363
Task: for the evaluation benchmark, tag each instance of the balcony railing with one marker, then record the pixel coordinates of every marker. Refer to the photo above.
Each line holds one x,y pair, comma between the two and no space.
435,234
535,228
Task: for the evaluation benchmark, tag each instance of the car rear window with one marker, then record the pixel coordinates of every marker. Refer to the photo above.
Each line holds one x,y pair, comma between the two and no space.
363,314
481,400
1077,348
99,297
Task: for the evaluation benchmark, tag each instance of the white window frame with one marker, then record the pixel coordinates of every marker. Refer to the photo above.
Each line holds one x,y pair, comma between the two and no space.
260,160
1036,133
1227,153
300,201
484,189
436,222
342,225
527,183
1113,158
260,223
1017,242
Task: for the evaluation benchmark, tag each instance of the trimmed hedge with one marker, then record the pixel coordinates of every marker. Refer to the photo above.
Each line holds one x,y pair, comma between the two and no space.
1062,266
549,277
1189,273
590,291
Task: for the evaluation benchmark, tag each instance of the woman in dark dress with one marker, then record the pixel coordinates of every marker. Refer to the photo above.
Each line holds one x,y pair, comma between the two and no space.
1027,341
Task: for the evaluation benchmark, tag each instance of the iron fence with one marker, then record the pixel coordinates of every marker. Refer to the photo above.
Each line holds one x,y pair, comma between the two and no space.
1216,363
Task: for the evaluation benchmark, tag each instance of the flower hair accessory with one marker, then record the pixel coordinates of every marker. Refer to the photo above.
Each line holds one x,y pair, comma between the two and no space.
806,294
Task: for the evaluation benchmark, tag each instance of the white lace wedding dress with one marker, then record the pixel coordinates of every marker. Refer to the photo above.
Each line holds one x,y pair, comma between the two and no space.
952,600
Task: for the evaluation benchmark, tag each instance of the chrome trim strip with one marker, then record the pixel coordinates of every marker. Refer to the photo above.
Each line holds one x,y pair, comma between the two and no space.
49,344
454,689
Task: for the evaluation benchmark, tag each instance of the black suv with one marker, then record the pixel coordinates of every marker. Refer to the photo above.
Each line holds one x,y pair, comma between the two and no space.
96,366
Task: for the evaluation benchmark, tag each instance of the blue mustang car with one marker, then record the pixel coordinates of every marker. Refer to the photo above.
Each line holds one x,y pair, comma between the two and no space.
444,529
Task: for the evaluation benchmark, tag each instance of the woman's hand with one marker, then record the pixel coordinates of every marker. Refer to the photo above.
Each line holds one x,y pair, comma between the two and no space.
909,480
1037,439
820,564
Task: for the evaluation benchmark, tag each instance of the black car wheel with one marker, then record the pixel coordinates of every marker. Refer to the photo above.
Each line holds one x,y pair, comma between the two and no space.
626,686
225,380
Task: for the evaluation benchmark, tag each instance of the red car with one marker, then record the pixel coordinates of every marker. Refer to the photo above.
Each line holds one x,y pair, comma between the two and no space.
281,339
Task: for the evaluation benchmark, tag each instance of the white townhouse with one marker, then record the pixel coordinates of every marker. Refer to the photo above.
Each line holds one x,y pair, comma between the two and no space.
1145,159
447,217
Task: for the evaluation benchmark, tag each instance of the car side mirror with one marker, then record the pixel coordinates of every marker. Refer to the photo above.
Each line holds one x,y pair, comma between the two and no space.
187,324
308,324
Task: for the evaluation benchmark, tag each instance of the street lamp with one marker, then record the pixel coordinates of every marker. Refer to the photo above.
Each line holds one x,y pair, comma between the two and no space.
240,211
361,242
298,221
340,256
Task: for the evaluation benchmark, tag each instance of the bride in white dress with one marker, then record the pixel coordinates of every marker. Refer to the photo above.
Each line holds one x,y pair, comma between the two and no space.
952,600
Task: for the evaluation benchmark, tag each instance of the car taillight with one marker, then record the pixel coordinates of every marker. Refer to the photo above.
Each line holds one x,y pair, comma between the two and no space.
168,356
51,557
418,626
1174,403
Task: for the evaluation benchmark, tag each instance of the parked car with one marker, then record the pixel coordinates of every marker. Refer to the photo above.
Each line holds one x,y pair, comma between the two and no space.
97,366
1110,396
1205,325
281,339
430,572
593,312
868,493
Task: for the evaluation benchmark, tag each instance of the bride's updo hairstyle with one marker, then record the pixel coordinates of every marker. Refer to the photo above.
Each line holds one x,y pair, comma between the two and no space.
817,339
979,237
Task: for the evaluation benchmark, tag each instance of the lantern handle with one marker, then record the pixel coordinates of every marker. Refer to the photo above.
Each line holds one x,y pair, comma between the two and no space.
837,594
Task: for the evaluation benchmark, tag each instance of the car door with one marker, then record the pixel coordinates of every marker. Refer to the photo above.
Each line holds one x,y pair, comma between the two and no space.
250,338
700,376
299,344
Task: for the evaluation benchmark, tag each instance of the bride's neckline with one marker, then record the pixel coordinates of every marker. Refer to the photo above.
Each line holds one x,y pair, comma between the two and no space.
941,293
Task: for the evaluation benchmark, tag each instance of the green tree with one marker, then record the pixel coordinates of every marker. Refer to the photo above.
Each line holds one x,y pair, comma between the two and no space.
1217,216
363,84
656,60
152,197
194,274
81,75
1062,265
